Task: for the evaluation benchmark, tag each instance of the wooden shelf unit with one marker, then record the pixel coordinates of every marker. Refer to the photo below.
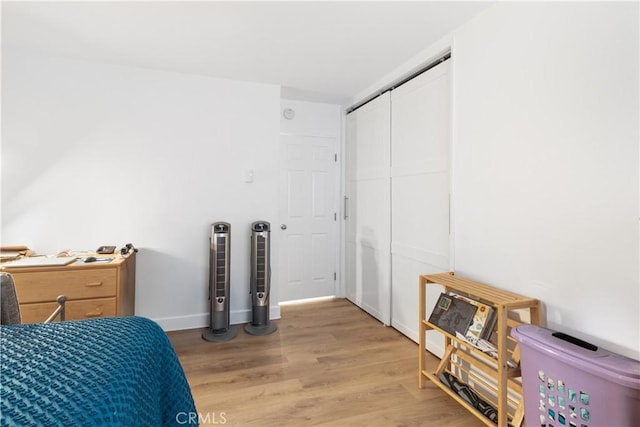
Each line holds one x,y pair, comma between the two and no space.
460,357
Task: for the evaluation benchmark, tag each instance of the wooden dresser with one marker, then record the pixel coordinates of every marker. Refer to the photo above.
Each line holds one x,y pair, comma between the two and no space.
95,289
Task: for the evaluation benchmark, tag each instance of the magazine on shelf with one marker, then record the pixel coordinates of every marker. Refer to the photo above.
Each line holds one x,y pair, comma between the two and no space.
483,320
452,314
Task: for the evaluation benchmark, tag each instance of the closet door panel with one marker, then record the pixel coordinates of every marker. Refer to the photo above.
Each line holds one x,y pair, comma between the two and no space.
421,122
405,280
414,216
416,249
373,267
369,196
350,209
420,193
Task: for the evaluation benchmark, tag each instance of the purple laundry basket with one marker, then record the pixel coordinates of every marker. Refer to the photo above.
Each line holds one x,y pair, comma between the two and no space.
569,382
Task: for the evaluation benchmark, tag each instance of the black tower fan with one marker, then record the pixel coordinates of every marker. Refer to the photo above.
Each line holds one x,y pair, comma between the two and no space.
260,280
219,290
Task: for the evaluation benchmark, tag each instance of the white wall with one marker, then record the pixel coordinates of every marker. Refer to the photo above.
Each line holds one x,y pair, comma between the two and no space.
546,161
97,154
311,118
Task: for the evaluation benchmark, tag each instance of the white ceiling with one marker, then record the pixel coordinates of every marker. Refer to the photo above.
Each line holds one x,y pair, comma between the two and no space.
336,49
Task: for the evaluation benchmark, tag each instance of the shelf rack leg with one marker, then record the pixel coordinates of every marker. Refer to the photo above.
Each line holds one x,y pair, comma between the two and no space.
422,330
501,329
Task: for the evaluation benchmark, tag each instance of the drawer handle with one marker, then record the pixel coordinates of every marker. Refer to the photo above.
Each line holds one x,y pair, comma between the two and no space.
93,284
95,314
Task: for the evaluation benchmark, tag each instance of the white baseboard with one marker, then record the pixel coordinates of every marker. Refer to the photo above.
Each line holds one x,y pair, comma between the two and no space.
374,312
435,345
405,330
201,320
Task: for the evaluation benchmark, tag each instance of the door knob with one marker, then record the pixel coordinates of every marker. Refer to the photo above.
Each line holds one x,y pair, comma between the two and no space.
283,226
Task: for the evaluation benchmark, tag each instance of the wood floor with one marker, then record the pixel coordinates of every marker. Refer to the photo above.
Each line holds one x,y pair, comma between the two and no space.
328,364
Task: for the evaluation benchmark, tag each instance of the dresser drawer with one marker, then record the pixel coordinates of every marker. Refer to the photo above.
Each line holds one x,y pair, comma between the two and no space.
46,286
74,310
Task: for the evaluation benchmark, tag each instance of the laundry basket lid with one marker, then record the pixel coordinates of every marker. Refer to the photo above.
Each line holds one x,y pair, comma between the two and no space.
581,354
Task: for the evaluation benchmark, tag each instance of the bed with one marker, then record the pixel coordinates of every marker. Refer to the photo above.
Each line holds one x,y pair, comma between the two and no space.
109,371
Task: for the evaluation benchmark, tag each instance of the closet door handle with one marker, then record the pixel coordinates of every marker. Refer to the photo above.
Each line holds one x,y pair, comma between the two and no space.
346,207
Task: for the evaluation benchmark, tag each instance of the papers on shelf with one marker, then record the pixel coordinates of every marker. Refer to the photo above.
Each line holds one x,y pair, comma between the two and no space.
40,261
9,253
484,346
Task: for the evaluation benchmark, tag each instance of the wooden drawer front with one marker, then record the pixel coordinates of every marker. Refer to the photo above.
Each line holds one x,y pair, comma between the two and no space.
74,310
74,284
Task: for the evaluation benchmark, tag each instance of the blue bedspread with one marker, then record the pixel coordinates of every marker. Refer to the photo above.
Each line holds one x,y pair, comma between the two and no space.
99,372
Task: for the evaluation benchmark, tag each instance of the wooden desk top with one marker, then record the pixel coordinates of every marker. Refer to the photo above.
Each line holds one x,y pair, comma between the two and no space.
79,264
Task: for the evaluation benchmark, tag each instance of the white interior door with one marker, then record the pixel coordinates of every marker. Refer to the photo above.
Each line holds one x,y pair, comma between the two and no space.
368,223
308,212
420,189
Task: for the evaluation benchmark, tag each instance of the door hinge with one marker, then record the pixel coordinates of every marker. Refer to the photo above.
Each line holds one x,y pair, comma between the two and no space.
335,157
335,216
335,276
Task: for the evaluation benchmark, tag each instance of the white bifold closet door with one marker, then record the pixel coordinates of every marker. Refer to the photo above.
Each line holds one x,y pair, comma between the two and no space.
368,208
397,186
420,188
